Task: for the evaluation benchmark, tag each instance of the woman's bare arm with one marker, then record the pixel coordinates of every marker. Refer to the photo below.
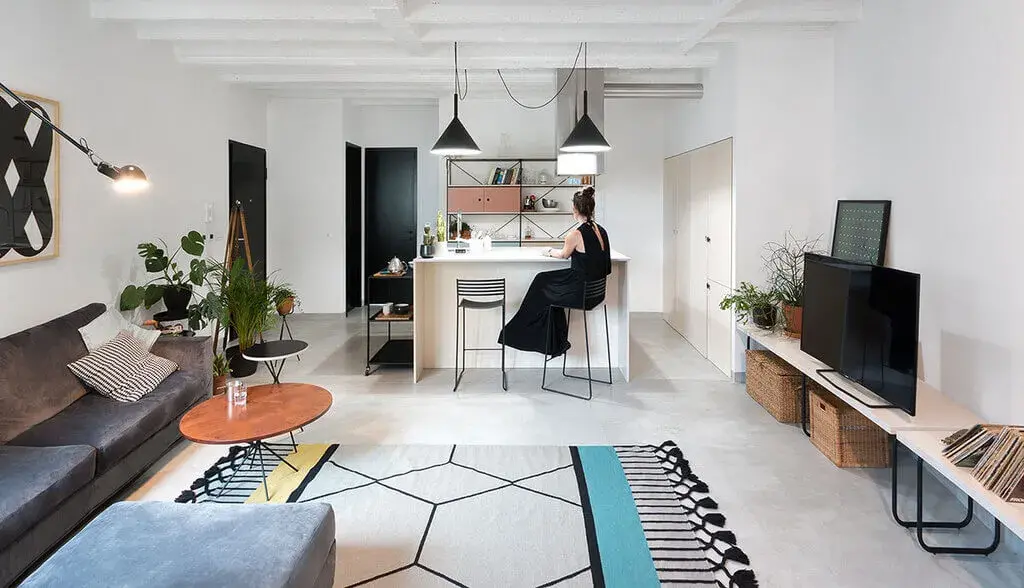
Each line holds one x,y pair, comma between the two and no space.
572,241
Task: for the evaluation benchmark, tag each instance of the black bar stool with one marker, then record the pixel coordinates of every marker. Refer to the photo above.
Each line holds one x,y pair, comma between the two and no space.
593,296
494,291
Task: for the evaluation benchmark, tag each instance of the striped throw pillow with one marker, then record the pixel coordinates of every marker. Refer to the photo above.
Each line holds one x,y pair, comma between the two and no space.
122,369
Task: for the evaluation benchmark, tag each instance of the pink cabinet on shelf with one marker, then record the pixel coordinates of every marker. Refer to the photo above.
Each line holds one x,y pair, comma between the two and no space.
466,199
502,199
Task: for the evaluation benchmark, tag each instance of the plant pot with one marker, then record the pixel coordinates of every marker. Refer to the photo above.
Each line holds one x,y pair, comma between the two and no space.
176,299
220,384
764,316
240,366
286,306
794,320
426,251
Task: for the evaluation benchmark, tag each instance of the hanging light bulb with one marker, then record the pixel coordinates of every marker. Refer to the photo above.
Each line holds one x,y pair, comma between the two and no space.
455,140
585,136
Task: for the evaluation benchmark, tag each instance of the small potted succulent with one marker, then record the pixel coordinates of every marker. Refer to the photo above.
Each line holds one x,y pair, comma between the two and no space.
221,370
427,248
749,301
285,299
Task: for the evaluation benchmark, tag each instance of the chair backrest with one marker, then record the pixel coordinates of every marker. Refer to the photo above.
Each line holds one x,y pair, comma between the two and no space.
593,294
494,287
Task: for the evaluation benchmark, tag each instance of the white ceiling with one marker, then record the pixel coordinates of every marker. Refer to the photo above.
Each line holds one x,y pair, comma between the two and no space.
402,49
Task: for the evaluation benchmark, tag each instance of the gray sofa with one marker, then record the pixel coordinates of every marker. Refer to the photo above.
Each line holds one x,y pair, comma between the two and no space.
165,545
65,451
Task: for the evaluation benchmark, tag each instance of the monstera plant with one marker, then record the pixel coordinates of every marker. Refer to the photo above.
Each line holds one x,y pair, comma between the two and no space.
174,281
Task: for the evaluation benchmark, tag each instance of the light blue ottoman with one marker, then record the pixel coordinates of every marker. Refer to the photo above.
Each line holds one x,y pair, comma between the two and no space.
161,544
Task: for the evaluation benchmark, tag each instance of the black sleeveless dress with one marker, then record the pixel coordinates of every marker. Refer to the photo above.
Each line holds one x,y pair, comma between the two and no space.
561,287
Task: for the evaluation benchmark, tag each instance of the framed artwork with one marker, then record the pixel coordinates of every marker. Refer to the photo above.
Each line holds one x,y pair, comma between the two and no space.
29,181
862,228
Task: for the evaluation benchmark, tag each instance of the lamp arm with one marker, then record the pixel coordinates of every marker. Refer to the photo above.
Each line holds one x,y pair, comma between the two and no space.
78,144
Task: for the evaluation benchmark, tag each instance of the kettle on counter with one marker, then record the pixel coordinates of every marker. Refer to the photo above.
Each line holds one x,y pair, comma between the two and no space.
396,266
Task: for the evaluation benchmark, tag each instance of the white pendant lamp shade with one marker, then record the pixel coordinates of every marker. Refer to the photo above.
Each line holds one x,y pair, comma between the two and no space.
576,164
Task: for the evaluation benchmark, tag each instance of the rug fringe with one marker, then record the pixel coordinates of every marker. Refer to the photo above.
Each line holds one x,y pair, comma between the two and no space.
720,544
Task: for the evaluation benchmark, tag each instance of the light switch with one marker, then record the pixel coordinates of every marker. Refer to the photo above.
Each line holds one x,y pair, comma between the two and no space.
209,212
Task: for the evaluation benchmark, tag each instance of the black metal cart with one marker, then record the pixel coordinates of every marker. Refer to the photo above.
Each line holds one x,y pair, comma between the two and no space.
394,352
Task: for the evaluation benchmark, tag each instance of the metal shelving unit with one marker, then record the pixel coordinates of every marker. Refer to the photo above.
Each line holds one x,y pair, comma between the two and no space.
522,218
394,352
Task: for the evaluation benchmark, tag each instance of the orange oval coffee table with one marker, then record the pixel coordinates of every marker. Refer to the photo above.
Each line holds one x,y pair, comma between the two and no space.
270,410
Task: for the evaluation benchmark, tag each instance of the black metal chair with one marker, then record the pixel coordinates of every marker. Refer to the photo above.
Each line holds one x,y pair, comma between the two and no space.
593,296
467,294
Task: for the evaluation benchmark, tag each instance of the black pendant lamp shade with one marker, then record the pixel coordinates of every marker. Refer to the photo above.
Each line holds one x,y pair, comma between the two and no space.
585,136
455,139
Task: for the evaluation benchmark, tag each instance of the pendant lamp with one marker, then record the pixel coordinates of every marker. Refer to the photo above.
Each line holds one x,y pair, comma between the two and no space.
585,136
455,139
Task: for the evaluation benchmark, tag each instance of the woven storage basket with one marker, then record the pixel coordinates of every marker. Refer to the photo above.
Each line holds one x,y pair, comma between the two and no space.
775,385
844,435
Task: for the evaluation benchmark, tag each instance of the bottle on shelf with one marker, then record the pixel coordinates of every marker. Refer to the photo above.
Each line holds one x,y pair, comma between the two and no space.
442,230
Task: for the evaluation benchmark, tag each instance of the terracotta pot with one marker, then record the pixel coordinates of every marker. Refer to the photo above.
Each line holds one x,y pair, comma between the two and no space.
286,306
794,320
220,384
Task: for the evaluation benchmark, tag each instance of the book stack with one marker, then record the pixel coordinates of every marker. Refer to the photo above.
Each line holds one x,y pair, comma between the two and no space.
995,455
505,176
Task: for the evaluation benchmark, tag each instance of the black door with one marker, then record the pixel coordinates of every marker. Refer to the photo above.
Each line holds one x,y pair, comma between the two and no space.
353,226
390,206
247,183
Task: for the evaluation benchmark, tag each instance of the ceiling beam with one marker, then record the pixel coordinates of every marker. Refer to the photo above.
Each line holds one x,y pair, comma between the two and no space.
264,31
204,10
716,14
392,19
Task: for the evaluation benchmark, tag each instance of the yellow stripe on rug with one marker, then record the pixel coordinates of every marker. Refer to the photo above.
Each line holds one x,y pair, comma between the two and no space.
284,480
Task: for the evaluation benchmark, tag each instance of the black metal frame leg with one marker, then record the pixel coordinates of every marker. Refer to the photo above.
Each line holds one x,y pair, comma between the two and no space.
805,402
280,367
895,499
948,550
590,379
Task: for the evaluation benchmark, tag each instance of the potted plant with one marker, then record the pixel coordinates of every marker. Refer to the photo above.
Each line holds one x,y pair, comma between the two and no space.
784,263
285,299
749,301
249,306
172,284
221,370
427,248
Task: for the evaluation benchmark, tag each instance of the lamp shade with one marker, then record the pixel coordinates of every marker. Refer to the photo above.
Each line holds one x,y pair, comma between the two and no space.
455,140
131,180
576,164
585,137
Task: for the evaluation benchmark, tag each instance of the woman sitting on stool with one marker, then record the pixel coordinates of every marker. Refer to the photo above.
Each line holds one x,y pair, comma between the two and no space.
587,246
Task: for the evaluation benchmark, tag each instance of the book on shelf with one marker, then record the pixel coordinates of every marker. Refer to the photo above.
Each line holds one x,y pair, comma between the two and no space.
995,454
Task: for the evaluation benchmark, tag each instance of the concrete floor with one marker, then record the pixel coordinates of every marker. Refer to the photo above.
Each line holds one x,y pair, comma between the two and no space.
802,521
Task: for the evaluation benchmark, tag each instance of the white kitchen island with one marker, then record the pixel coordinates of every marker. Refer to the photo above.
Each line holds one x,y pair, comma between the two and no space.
434,305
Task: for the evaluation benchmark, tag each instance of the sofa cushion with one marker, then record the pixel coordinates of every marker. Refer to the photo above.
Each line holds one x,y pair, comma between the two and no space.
122,369
157,544
37,479
116,428
35,383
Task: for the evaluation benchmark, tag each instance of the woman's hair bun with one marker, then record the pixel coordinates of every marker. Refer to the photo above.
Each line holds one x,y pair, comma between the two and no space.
588,191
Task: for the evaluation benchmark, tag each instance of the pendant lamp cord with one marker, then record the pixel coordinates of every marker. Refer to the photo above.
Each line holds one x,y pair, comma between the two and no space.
564,84
462,95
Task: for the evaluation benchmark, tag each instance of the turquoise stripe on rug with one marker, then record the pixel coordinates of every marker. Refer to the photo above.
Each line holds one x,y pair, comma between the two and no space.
625,557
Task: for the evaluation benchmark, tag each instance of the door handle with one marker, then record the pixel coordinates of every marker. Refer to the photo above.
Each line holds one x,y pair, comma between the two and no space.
707,239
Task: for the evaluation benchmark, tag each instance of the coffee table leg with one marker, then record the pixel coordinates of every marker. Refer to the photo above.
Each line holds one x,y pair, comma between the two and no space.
248,457
263,470
295,447
278,456
276,373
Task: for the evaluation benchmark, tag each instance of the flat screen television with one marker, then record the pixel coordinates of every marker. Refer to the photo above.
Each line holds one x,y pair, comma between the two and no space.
862,321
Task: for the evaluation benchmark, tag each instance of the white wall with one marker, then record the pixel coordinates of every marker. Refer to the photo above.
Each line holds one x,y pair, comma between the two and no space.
631,193
135,104
403,126
306,200
690,124
929,103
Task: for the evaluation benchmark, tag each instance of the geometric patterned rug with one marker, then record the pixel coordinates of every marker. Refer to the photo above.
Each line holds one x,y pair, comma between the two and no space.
468,515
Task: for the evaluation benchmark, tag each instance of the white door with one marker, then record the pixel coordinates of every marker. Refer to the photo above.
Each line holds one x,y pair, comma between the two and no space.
719,329
684,271
696,319
719,178
669,231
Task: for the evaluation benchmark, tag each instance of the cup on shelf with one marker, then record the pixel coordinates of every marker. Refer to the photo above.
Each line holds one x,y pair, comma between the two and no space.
386,309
